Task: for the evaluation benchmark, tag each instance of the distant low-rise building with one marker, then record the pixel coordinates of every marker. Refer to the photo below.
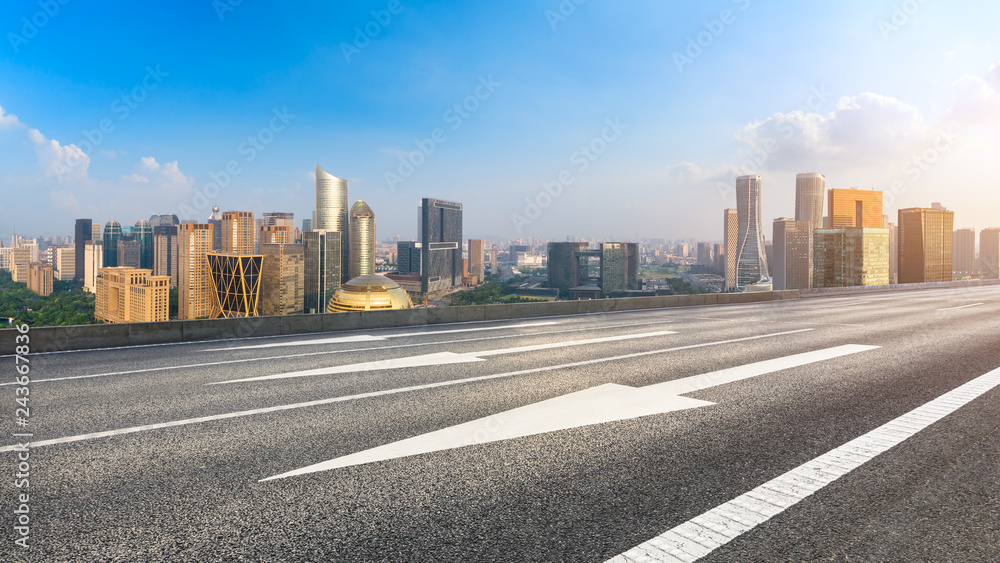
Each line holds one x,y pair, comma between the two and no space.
40,278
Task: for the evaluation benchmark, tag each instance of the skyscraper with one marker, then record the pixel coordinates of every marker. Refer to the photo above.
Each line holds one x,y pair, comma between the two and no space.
93,261
809,191
925,245
751,262
989,253
283,279
215,219
619,266
235,282
855,208
143,234
850,256
332,213
477,258
963,250
408,258
194,284
238,232
705,254
793,257
275,234
323,269
165,249
494,266
64,263
441,239
112,234
562,265
83,233
129,252
362,239
730,241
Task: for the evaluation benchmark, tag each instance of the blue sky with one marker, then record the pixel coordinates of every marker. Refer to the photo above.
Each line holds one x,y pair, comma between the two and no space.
898,96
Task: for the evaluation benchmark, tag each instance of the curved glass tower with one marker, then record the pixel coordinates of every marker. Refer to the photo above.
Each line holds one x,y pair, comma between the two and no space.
332,210
751,262
143,233
362,240
112,235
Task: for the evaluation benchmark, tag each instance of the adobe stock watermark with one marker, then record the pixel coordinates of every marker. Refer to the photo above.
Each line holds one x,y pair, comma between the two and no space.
563,11
363,36
581,159
754,164
122,107
900,16
223,7
455,117
714,29
919,164
250,148
47,10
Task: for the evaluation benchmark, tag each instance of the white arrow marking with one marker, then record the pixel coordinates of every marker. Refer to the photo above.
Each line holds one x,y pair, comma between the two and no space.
961,307
369,338
605,403
442,358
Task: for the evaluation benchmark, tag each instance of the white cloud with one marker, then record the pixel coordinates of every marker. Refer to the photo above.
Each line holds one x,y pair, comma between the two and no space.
149,163
63,162
136,178
9,120
166,176
865,130
110,154
977,100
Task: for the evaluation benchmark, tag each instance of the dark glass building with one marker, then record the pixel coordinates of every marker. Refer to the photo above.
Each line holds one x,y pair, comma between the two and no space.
83,233
562,265
143,234
323,268
112,235
408,258
441,241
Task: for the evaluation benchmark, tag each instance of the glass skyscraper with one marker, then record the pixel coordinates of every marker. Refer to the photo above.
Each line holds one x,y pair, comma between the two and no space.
441,241
143,234
112,235
332,212
362,240
751,262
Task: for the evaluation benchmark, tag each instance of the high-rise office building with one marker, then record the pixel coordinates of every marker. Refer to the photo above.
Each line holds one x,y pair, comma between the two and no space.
793,257
40,278
323,269
751,261
235,282
619,266
283,219
194,284
562,265
129,252
441,241
477,258
165,252
64,263
408,258
730,241
719,259
989,253
850,256
238,232
20,259
494,265
307,225
963,251
362,239
810,189
143,234
215,219
112,234
83,233
165,220
925,245
130,295
855,208
705,254
283,278
332,214
275,234
93,261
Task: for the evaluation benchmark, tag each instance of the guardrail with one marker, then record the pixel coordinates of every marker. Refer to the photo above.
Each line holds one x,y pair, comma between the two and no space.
827,291
85,337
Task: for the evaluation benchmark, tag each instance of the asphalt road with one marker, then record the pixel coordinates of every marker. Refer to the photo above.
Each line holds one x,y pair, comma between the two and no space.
111,480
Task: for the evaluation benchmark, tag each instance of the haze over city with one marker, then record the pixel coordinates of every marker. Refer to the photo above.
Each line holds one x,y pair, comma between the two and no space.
651,110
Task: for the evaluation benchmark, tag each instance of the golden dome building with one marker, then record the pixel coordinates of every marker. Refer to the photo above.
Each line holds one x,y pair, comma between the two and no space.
369,293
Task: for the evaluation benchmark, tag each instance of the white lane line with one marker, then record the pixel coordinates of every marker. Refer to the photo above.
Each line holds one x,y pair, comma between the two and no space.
374,348
371,338
597,405
441,358
134,429
961,307
733,518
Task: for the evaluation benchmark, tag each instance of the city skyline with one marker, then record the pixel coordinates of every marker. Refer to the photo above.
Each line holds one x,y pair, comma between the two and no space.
914,132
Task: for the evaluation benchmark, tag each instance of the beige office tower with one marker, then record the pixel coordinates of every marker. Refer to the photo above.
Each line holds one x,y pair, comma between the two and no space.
131,295
477,258
793,260
40,278
730,240
282,289
64,262
810,189
925,245
362,240
494,266
275,234
989,253
332,214
851,256
963,252
855,208
194,282
20,258
93,261
238,232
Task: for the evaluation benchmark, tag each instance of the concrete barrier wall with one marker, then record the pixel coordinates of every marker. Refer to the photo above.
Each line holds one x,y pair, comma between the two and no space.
85,337
827,291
